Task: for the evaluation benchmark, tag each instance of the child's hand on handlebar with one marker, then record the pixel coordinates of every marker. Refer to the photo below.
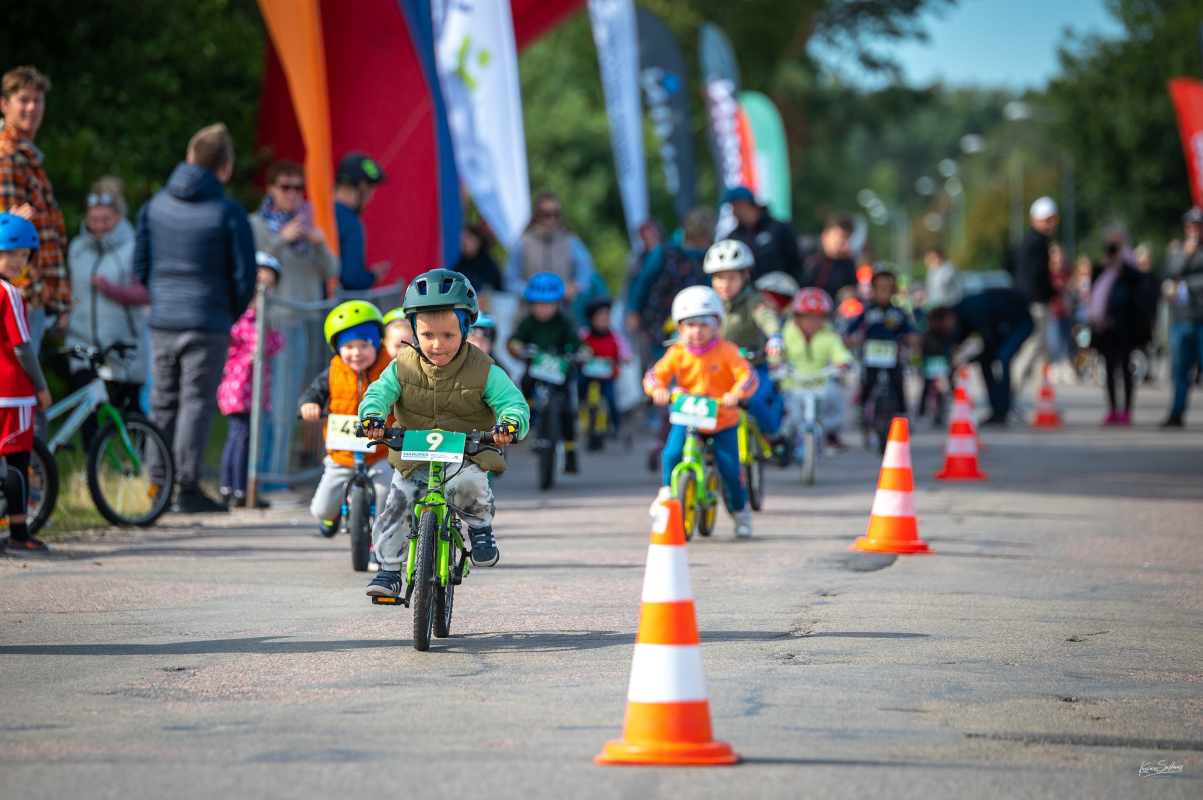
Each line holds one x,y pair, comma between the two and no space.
311,412
732,399
660,396
373,426
503,433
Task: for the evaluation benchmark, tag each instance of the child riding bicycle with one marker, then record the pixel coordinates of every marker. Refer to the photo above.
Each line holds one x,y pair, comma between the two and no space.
22,385
607,348
811,346
446,383
881,330
353,332
703,363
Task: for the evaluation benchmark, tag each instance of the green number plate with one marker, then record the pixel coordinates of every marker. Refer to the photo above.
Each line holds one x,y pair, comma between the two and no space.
340,434
433,446
598,368
548,368
694,411
936,367
881,353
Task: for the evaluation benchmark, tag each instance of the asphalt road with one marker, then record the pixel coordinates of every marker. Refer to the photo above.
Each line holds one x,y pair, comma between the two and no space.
1050,648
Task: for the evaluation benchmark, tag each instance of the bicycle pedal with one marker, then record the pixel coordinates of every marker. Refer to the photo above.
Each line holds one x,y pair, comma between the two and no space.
390,601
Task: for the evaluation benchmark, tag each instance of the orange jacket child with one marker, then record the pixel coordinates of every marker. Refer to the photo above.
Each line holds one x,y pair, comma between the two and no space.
715,370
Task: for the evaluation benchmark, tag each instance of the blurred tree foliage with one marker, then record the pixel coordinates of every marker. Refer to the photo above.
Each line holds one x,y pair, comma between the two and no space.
133,80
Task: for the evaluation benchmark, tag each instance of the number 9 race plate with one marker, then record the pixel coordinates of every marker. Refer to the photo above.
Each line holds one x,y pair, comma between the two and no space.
443,446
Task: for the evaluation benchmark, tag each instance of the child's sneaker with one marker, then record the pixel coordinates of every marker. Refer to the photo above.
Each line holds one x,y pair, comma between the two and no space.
327,528
484,547
570,466
386,584
28,547
743,524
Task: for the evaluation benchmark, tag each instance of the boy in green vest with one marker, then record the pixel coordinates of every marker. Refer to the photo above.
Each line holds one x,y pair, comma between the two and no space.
441,382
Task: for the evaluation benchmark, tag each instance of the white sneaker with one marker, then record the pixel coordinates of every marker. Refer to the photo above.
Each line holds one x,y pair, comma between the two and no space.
743,524
665,493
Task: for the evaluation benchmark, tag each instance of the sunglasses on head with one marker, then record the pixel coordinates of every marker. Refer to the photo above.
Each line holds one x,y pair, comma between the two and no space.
100,199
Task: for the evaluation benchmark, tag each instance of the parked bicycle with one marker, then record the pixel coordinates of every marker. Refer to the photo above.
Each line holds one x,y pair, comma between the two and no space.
130,469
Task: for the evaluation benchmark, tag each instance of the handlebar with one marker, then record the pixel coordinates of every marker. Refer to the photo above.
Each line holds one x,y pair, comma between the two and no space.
393,438
96,356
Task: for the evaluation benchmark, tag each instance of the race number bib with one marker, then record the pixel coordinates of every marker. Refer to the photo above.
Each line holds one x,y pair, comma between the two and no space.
548,368
600,368
936,367
813,383
694,411
340,434
881,353
442,446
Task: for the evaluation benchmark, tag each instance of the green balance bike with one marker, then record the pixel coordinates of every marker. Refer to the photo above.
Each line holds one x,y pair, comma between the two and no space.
694,482
437,558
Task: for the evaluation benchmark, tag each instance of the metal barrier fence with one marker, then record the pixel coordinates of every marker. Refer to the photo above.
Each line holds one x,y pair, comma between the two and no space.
285,450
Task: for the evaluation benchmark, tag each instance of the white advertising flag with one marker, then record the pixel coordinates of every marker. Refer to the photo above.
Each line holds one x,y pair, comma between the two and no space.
478,72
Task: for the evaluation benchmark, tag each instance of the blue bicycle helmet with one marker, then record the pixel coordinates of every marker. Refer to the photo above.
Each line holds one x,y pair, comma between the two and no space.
17,233
544,287
485,321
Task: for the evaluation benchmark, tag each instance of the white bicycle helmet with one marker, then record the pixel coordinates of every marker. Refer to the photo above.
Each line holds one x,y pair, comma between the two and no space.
727,256
777,283
696,301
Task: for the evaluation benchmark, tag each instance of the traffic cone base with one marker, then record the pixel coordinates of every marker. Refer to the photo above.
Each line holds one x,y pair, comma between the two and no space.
892,524
668,713
960,452
1047,415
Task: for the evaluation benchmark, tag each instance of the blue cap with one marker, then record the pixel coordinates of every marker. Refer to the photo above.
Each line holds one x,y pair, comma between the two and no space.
367,331
737,193
544,287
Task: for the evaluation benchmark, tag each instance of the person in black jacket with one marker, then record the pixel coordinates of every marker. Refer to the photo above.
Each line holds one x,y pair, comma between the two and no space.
1029,271
476,264
1002,319
195,254
774,243
1119,320
831,268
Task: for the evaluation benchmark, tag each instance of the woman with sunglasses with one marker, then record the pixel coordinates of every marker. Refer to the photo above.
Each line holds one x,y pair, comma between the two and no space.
548,245
110,302
283,227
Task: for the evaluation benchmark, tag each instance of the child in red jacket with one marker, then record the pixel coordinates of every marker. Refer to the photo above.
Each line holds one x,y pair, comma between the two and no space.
609,352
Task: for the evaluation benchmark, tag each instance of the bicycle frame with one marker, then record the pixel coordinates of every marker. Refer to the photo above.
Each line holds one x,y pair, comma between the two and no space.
747,430
93,397
693,460
434,501
360,478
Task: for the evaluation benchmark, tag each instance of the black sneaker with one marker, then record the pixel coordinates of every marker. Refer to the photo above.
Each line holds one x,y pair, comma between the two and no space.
570,466
195,502
28,547
996,422
484,547
386,584
1173,421
327,528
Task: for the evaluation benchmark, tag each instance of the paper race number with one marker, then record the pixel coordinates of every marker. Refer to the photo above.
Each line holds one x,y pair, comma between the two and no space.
340,434
881,353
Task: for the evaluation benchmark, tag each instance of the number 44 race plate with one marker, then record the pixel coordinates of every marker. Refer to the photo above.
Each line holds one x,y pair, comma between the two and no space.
433,446
694,411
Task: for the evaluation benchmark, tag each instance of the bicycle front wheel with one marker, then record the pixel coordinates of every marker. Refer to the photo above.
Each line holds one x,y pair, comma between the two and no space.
359,526
425,580
810,453
119,474
43,486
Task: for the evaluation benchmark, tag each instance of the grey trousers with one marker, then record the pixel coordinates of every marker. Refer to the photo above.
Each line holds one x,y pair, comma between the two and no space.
332,488
469,491
186,368
1033,355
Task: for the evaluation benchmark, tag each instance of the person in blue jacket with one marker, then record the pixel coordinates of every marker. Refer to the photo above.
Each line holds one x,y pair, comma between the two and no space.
358,178
195,254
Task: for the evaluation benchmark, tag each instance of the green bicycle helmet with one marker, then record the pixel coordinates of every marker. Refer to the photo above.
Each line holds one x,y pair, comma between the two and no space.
393,316
348,315
440,289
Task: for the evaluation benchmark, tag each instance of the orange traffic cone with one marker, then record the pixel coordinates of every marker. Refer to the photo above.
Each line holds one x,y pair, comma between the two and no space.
1047,415
963,402
668,714
960,451
892,524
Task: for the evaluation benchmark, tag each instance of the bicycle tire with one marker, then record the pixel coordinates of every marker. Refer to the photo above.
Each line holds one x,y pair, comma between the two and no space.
550,435
424,579
687,495
145,434
360,528
810,456
43,486
444,601
707,517
756,484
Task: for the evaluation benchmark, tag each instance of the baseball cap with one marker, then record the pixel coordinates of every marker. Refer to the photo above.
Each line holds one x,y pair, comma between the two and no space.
1043,208
1193,217
356,167
737,193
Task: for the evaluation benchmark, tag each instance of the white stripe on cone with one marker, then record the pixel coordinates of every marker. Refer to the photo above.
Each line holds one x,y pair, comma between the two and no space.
667,673
892,503
667,577
898,455
960,446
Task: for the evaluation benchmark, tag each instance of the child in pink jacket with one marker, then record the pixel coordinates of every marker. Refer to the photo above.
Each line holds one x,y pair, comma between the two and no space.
234,392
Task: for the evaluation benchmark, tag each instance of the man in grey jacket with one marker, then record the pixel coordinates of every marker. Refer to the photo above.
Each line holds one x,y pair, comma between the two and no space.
1184,291
195,254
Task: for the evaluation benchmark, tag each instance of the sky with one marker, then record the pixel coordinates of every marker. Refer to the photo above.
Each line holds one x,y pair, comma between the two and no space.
1004,43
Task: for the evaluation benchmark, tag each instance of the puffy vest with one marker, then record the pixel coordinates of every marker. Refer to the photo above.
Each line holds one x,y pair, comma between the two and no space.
449,398
740,327
346,393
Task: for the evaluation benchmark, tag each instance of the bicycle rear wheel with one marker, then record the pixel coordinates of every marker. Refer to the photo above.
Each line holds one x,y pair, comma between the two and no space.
756,484
119,477
359,526
708,515
687,495
43,486
810,455
425,580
